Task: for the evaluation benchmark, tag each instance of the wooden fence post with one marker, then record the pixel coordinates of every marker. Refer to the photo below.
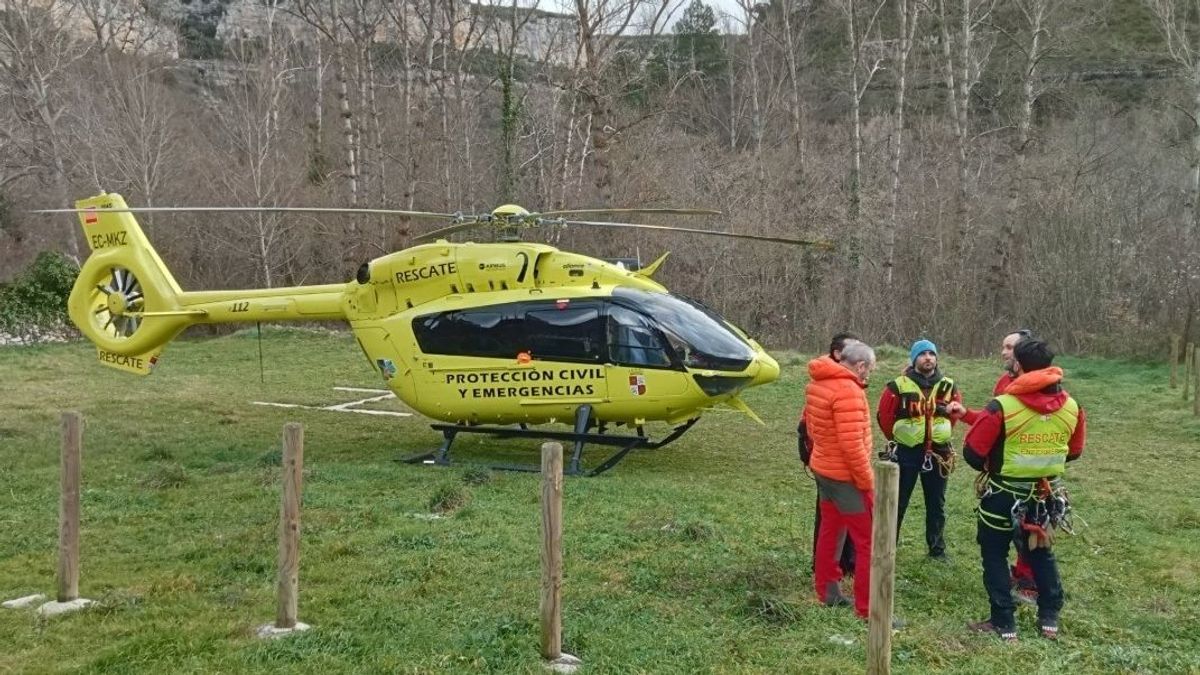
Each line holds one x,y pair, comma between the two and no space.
289,525
70,470
68,508
1189,364
289,535
1174,359
883,568
1196,385
550,606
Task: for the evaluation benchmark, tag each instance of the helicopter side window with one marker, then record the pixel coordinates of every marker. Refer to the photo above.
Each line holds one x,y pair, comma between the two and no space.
633,340
487,332
568,334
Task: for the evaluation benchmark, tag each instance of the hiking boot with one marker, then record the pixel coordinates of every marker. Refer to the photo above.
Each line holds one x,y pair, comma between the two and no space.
833,596
1008,635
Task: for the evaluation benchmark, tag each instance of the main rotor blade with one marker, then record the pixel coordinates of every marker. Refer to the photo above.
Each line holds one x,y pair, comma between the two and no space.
252,209
828,245
444,231
682,212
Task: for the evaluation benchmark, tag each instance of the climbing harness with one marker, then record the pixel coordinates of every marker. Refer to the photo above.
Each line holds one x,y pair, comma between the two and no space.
945,462
929,409
1037,516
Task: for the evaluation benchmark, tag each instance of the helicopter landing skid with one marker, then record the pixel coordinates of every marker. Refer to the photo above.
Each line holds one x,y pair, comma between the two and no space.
441,456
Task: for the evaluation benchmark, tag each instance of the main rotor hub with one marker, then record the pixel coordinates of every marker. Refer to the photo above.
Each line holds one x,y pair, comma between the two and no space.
509,211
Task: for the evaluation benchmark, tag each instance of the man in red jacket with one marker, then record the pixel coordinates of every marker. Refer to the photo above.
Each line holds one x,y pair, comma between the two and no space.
1022,441
914,414
1022,574
1010,371
839,423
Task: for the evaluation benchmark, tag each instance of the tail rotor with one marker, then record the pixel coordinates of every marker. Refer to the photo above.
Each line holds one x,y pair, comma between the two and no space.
117,305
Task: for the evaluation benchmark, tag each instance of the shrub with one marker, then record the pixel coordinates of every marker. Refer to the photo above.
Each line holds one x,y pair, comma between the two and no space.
449,498
34,307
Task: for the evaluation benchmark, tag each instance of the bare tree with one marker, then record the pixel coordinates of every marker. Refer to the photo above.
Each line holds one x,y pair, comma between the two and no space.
126,27
754,81
908,14
125,134
965,54
795,14
249,124
1033,39
326,17
602,26
411,32
861,21
1176,21
36,51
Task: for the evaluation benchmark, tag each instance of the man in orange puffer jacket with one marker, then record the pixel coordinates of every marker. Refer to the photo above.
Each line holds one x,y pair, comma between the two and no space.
839,422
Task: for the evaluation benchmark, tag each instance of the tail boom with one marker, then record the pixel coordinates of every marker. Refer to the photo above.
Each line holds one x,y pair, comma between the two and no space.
128,304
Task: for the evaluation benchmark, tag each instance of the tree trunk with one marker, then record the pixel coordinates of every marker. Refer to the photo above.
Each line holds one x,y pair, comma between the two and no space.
963,109
365,160
733,109
49,121
316,152
855,178
377,140
999,271
568,142
796,108
906,15
1195,229
347,129
757,123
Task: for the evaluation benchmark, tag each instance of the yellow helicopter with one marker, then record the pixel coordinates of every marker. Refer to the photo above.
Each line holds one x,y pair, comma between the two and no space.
477,335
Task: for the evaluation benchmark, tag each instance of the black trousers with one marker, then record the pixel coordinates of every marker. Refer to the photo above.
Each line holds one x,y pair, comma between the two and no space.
933,486
993,548
845,558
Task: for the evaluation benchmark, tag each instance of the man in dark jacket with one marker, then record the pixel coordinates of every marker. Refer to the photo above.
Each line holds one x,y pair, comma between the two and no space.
846,546
1022,574
1022,442
913,414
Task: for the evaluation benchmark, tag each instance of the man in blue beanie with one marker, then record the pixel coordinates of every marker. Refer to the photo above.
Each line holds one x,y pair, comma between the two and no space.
913,415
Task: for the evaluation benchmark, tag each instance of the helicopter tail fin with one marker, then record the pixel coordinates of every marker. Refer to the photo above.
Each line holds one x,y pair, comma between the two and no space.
649,270
125,300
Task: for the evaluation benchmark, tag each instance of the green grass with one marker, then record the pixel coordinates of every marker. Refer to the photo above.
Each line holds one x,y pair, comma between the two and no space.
692,558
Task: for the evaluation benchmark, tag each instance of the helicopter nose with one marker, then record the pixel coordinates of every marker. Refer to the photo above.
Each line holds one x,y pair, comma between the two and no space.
768,369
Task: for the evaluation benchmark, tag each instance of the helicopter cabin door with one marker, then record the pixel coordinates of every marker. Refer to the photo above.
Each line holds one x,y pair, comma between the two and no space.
646,378
527,361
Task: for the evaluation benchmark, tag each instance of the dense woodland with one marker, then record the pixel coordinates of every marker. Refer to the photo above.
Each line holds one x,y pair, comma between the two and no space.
980,164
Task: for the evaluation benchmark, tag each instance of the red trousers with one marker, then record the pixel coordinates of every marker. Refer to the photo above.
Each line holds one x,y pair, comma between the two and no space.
1022,573
858,527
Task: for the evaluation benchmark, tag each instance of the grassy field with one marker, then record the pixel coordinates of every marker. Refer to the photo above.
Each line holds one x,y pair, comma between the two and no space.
692,558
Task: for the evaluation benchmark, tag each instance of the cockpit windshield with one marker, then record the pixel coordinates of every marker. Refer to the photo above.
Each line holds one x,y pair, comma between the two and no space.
699,337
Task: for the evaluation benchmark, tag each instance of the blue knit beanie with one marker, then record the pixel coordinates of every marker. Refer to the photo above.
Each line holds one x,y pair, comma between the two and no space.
921,346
